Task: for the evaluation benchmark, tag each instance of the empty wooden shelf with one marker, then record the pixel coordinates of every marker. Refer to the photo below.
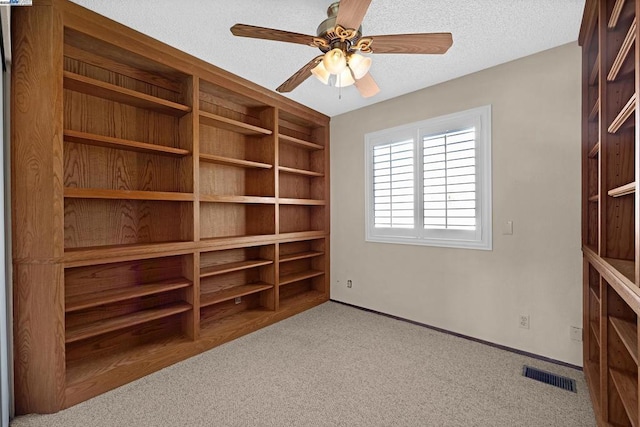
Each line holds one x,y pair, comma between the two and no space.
115,93
233,266
122,144
82,301
161,199
610,215
232,293
623,190
115,323
299,276
214,120
299,142
233,162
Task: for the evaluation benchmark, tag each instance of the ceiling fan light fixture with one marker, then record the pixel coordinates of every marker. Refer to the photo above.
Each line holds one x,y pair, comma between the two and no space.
321,73
335,61
359,64
345,78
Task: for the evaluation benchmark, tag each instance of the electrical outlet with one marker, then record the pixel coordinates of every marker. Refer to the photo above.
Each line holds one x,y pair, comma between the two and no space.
575,333
524,321
349,283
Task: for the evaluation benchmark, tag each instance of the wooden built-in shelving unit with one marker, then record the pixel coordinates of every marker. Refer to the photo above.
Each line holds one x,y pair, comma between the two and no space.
163,206
610,212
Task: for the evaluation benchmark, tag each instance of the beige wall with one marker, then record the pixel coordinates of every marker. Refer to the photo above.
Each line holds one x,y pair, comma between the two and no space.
536,184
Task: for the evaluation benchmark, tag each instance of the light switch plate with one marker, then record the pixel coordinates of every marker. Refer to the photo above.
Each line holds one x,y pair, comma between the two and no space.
507,228
576,333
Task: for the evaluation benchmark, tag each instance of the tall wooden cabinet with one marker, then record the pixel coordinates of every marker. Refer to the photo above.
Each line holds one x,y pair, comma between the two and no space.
610,212
161,206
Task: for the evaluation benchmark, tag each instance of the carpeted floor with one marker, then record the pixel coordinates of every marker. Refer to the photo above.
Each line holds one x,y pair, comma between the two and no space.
336,365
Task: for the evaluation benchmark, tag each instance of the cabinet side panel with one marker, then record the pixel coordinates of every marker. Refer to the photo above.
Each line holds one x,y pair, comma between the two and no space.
39,338
37,209
36,137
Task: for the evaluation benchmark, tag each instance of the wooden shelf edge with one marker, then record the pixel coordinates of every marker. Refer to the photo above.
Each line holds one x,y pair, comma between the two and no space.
627,387
623,190
207,198
215,120
85,301
302,235
595,71
626,112
595,110
595,296
79,257
99,193
622,266
619,277
615,14
231,242
308,202
228,242
594,151
299,142
122,144
296,277
233,266
82,332
596,333
229,161
628,333
300,255
208,299
625,48
285,169
93,87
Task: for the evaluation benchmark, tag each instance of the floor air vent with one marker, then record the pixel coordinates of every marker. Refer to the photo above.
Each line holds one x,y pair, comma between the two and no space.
549,378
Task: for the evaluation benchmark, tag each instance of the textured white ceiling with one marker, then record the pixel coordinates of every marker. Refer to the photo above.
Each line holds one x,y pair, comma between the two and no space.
485,33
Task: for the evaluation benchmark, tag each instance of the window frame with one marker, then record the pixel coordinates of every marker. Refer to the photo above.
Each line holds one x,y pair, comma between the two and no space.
481,238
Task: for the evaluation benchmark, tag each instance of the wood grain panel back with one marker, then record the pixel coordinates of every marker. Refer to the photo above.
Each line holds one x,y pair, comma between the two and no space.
235,219
118,222
98,278
87,166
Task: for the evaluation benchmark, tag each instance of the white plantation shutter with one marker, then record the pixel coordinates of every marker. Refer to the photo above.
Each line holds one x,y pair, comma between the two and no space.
429,183
449,170
393,185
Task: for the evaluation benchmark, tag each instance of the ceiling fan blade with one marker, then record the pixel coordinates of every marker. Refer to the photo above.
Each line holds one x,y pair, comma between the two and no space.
367,86
430,43
351,13
301,75
243,30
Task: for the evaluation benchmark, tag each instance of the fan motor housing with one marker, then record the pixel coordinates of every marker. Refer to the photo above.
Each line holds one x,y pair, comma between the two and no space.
326,30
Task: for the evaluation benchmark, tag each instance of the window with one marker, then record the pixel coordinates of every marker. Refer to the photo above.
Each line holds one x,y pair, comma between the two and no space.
429,183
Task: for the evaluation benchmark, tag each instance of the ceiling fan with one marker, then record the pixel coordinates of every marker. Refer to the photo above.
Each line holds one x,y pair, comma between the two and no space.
340,39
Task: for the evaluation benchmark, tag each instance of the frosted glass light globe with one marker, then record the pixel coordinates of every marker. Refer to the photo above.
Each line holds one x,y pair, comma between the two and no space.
359,65
345,78
334,61
321,73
